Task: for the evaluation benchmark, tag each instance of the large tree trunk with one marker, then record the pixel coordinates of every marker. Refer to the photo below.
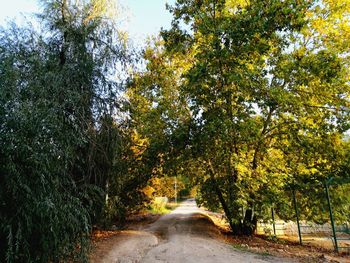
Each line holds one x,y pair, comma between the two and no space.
248,226
249,223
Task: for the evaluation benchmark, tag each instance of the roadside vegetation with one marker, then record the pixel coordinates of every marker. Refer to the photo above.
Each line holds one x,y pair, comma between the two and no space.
237,104
161,207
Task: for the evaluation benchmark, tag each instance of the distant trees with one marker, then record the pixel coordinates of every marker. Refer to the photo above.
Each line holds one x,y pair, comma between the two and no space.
160,116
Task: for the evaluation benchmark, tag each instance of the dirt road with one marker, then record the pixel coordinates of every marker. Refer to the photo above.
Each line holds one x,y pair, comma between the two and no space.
184,235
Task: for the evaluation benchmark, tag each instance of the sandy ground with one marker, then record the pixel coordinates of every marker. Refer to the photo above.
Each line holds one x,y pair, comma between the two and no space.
184,235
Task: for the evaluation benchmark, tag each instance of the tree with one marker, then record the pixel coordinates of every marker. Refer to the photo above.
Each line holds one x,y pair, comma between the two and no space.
58,135
159,114
268,96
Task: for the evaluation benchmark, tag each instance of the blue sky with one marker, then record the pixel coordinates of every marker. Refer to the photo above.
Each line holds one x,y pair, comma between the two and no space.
145,17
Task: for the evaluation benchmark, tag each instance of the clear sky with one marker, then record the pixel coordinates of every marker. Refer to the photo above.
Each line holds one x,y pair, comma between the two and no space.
147,16
144,17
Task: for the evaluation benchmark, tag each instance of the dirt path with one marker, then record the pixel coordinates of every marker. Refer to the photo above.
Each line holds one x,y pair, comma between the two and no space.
184,235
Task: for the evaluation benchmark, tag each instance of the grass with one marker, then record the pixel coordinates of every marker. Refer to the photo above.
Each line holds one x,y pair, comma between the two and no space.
162,209
245,248
275,239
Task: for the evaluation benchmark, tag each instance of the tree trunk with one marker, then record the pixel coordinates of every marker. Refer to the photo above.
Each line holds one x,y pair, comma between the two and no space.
248,226
220,196
249,223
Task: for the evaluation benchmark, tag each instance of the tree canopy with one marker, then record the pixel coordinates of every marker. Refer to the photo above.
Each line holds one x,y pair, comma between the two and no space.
266,84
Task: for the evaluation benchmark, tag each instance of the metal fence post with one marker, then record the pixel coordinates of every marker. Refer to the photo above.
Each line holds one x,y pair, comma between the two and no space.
297,216
331,217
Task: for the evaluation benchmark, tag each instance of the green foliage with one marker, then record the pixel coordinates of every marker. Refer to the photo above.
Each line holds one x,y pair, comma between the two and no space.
159,206
165,186
267,88
160,118
60,145
162,206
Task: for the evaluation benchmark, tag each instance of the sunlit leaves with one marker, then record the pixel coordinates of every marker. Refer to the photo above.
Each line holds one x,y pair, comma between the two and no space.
102,9
330,24
269,89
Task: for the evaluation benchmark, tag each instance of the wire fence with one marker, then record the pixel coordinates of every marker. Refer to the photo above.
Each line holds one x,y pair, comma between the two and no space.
335,233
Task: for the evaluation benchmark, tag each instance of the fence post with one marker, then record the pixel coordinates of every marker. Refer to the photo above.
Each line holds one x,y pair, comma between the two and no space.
297,216
331,217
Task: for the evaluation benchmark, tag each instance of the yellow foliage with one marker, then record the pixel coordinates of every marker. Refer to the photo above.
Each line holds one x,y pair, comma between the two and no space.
164,186
232,5
102,8
330,22
139,145
148,191
242,169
